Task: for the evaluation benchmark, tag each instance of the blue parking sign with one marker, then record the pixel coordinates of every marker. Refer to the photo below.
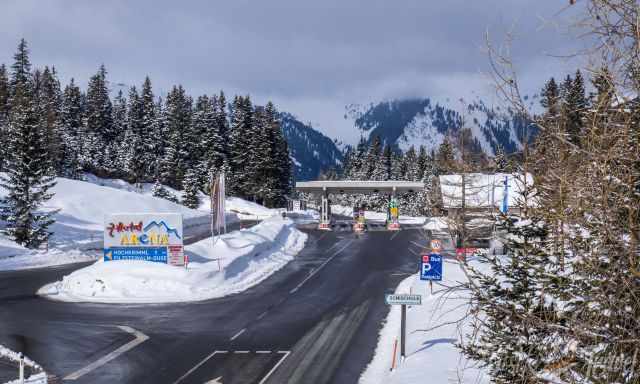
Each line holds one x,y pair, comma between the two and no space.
431,267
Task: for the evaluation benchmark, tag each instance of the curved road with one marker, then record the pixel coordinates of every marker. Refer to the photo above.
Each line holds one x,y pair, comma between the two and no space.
315,321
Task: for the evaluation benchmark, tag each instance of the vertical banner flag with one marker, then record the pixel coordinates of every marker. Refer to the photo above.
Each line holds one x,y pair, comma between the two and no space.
218,222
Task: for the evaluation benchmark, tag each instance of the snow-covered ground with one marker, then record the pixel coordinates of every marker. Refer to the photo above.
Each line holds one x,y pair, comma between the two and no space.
244,209
432,330
82,205
37,378
376,216
247,257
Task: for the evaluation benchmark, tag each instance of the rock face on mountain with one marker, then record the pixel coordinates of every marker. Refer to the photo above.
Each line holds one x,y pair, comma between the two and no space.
422,122
311,151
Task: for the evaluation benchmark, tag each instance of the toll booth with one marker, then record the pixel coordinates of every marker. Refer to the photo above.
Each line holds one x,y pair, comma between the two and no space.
325,187
359,220
393,215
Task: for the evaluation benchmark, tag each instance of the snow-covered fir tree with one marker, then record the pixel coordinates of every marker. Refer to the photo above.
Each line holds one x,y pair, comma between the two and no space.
28,175
190,186
159,190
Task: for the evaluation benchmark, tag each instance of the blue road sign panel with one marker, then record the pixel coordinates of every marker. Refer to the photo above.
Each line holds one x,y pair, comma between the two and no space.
431,267
157,254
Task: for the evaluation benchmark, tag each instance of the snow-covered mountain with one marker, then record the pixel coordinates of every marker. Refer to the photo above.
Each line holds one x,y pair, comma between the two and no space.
311,151
423,122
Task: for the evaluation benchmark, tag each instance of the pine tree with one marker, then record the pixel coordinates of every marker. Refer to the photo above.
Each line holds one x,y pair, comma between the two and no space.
190,187
241,144
71,127
512,340
49,106
116,162
500,160
387,162
160,191
575,107
99,123
445,157
28,172
178,123
411,160
148,123
135,165
4,113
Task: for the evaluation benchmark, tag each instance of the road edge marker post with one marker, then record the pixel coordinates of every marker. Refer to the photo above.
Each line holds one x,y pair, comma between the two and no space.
395,351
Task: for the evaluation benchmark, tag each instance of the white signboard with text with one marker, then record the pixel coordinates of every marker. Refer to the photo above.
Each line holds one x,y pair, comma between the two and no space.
153,237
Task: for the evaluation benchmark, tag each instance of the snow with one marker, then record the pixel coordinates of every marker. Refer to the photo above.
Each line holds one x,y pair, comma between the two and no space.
38,378
431,354
436,223
82,206
78,232
376,216
482,190
246,256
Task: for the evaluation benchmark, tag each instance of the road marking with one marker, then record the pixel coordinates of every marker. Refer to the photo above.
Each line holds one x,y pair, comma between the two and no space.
263,314
197,366
264,379
394,235
243,352
217,380
140,338
238,334
294,290
263,351
419,245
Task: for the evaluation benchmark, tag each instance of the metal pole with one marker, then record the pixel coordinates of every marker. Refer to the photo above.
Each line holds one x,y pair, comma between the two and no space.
403,331
21,371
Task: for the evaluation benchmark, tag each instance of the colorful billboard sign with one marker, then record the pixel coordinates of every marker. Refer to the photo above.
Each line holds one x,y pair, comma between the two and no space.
153,237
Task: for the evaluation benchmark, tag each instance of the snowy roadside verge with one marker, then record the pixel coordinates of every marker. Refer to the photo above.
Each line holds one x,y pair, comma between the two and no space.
37,378
246,256
432,330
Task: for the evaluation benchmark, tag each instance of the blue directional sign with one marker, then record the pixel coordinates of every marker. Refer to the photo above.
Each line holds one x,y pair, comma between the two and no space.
431,267
157,254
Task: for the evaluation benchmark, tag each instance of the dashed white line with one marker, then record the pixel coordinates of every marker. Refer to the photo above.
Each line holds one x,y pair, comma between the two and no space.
242,352
394,235
238,334
264,379
422,246
140,338
263,351
294,290
263,314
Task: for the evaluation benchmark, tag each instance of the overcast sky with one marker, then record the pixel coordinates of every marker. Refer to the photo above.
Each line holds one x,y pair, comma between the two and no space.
311,58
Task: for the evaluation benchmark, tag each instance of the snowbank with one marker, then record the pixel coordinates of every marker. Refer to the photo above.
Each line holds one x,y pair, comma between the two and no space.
376,216
244,209
10,248
431,353
248,210
247,257
38,378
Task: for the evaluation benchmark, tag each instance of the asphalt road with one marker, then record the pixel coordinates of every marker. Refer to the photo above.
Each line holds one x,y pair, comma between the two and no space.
315,321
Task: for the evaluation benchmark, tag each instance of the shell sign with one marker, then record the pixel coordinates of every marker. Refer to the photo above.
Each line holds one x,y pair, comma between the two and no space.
153,237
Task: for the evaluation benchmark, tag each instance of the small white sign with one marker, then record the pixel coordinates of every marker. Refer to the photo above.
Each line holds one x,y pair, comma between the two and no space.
403,299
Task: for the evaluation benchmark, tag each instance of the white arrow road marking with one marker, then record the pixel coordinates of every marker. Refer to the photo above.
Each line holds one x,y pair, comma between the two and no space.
140,338
217,380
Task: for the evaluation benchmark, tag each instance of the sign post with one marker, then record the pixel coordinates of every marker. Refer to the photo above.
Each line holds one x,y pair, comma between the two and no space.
403,300
394,222
431,268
